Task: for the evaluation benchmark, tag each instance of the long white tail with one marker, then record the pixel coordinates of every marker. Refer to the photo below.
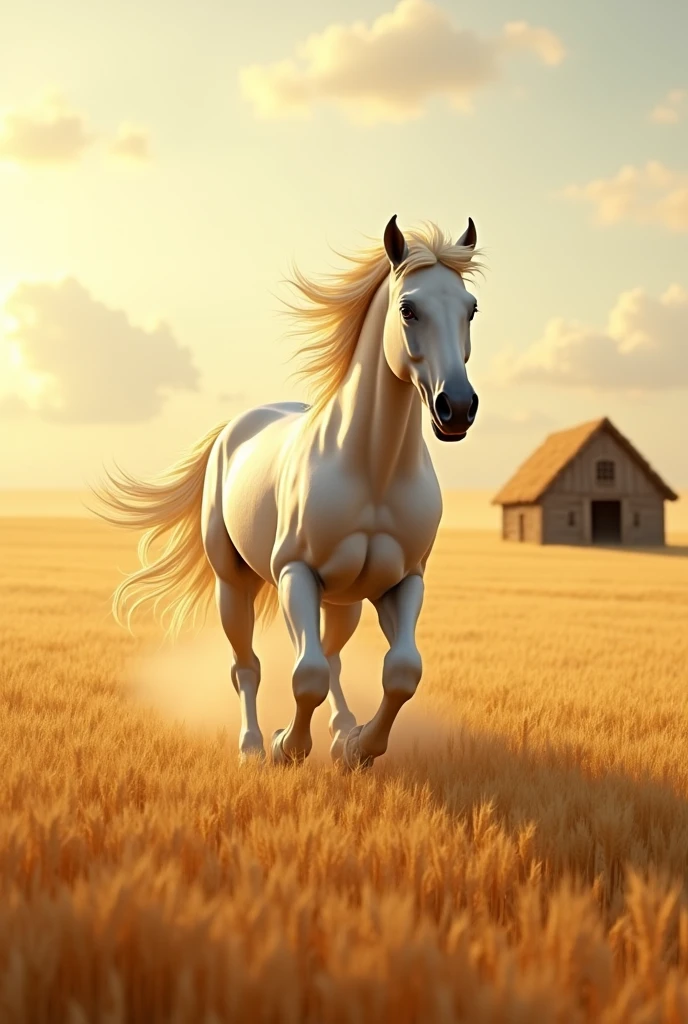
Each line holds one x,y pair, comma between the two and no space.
178,580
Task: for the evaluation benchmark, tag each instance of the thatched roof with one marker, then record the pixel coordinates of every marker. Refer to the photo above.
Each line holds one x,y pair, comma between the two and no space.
538,473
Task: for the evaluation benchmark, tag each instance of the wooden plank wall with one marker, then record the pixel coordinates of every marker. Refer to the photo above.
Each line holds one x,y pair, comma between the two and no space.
532,523
579,477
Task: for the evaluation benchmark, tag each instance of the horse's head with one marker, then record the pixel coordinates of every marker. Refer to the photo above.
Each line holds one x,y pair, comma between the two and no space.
427,338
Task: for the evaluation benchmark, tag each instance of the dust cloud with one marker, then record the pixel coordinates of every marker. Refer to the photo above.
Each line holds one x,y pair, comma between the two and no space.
188,682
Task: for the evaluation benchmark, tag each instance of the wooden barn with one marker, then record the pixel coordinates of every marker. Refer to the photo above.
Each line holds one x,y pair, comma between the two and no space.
586,485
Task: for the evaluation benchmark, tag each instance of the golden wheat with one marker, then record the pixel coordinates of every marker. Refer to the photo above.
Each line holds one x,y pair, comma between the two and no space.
531,866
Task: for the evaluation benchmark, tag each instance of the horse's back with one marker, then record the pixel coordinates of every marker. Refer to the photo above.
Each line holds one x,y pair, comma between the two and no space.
250,423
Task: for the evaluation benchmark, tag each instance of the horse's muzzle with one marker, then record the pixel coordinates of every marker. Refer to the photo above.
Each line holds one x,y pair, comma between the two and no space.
453,417
446,437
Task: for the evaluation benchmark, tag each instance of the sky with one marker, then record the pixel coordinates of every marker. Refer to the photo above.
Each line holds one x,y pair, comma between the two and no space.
162,165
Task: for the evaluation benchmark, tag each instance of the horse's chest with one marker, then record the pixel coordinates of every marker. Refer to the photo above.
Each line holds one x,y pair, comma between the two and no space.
363,555
362,566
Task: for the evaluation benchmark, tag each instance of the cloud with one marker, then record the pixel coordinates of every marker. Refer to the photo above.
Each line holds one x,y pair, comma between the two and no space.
653,194
131,144
390,68
71,359
643,348
519,35
51,133
671,108
47,133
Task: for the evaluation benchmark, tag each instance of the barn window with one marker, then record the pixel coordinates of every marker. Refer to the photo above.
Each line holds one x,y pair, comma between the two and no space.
605,471
636,519
572,517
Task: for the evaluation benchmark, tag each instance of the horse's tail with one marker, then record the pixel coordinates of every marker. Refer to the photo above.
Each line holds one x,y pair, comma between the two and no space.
178,580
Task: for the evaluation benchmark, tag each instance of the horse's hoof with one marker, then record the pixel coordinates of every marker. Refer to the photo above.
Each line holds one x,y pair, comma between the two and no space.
338,736
353,758
254,756
280,755
251,749
277,750
337,747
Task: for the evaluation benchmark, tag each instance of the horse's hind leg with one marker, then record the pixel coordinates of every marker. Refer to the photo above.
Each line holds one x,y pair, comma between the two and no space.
299,596
338,625
238,618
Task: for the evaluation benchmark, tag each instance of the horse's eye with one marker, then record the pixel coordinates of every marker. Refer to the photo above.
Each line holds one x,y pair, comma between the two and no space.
407,311
475,310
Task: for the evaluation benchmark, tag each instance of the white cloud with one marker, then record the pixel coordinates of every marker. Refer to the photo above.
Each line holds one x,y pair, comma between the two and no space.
72,359
49,132
653,194
644,347
519,35
390,68
671,108
131,144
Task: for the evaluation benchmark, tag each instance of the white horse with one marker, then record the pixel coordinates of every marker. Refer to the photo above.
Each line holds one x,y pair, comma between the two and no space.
321,507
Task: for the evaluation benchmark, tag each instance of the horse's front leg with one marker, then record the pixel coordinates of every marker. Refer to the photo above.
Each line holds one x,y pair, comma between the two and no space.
398,612
299,596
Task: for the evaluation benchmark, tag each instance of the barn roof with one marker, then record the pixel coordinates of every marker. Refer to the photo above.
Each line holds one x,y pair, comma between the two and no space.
541,469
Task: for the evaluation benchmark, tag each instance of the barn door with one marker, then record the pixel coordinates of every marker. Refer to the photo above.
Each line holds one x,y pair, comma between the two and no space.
606,522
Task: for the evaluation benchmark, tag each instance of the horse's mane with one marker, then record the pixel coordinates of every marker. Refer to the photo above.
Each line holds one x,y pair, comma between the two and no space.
331,318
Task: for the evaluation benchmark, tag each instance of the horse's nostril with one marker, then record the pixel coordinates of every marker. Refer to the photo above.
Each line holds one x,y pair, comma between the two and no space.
443,408
473,408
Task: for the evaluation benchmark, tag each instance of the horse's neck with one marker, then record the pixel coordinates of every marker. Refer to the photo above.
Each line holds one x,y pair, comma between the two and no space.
375,418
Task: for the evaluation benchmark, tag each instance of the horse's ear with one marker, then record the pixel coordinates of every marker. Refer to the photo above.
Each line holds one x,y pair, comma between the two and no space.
469,237
395,243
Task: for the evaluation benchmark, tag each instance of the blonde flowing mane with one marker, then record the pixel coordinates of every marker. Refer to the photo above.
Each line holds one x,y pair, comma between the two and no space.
331,319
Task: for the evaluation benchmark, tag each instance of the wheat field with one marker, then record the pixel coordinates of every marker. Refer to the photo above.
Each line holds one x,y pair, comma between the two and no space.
523,859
